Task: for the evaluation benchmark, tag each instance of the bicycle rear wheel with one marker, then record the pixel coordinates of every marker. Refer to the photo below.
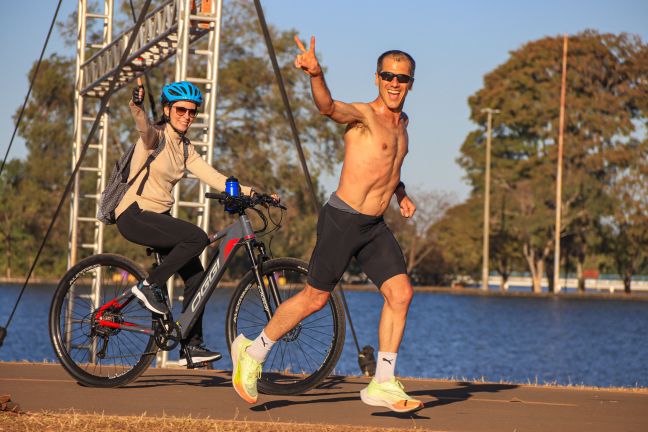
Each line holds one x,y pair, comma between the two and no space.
97,355
306,354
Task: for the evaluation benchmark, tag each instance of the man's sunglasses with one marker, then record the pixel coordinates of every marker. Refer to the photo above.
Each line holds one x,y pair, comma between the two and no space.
388,76
181,111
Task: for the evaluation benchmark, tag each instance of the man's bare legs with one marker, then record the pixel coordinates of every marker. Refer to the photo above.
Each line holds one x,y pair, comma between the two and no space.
290,313
294,310
397,292
384,389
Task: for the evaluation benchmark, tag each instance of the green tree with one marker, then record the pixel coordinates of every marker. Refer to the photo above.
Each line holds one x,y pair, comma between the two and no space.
459,238
503,254
625,231
33,187
604,90
12,226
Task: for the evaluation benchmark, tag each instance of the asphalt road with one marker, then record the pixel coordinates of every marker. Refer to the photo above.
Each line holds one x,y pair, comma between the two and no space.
449,406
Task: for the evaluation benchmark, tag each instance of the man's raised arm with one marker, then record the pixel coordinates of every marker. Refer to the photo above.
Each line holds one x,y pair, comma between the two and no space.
339,112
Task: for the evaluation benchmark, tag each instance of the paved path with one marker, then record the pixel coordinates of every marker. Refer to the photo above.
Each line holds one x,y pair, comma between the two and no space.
451,406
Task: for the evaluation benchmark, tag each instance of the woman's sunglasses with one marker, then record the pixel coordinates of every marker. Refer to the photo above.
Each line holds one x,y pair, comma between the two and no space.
181,111
388,76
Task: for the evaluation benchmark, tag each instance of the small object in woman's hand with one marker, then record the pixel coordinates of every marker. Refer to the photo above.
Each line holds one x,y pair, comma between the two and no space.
138,93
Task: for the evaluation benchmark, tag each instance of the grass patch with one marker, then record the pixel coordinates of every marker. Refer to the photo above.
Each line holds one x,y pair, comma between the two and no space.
72,421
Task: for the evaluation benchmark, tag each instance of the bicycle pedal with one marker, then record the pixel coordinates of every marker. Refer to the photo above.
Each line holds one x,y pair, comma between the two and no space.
200,365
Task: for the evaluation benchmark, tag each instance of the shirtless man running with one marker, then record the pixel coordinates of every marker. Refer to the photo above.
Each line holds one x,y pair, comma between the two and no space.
351,225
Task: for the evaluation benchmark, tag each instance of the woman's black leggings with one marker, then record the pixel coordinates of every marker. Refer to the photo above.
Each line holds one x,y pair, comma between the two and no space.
180,242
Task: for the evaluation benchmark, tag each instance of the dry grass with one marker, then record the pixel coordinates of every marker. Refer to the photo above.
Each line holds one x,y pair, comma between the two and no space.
72,421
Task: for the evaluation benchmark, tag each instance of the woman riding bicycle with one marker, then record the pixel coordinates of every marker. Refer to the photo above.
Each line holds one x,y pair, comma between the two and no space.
143,215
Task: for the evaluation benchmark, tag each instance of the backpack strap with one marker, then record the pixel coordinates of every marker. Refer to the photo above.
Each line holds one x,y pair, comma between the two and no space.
124,164
185,148
147,166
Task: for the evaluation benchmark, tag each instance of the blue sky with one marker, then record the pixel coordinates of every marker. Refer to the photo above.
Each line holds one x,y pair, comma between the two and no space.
454,44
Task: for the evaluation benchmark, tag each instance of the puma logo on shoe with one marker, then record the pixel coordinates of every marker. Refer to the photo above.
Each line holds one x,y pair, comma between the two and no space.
387,360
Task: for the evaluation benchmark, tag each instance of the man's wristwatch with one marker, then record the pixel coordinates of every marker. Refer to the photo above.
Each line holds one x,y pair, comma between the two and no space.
399,185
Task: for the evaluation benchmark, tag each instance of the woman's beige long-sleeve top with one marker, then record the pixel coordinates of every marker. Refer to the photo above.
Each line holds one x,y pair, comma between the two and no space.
167,168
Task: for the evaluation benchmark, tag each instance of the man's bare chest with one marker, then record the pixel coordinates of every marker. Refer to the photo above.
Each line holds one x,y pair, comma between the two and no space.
381,143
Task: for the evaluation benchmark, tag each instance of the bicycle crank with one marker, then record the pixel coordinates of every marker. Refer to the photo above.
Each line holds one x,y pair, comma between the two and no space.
167,335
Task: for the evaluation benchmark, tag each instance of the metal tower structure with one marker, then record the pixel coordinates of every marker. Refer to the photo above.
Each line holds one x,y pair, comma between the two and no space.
172,28
85,231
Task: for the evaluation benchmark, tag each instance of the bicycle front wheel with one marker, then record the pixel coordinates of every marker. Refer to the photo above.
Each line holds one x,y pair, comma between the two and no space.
308,352
98,355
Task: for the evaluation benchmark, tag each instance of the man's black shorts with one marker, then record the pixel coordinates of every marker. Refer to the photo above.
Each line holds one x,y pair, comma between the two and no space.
342,235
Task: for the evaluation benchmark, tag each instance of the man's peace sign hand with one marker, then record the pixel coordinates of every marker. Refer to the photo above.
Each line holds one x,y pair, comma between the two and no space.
307,61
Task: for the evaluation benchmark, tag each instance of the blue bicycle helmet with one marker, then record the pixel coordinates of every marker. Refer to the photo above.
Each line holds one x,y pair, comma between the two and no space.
181,91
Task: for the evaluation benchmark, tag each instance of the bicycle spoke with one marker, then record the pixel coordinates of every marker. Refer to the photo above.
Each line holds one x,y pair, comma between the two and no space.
274,357
290,357
313,330
283,353
317,340
306,356
311,346
258,320
316,319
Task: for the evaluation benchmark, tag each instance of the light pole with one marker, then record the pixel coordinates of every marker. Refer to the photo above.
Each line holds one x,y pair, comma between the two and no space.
485,252
561,127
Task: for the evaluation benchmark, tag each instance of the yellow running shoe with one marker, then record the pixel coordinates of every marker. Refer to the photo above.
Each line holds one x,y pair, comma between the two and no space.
246,370
390,394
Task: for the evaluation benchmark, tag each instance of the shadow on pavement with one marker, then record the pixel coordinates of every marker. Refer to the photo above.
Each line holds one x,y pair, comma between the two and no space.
179,380
334,382
465,391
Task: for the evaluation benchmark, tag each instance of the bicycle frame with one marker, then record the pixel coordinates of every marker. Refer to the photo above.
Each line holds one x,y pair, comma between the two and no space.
240,233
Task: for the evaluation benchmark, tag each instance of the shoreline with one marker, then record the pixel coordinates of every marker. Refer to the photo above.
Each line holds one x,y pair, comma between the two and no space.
598,295
476,291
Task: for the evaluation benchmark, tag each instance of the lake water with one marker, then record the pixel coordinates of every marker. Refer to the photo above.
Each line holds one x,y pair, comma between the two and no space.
520,340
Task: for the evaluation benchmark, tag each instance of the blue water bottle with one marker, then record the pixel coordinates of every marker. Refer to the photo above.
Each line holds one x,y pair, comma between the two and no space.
232,188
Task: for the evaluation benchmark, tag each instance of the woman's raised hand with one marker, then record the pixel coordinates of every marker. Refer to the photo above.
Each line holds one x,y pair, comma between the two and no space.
138,93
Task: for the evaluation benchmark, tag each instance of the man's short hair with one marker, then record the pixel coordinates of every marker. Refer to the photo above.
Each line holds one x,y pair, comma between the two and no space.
398,56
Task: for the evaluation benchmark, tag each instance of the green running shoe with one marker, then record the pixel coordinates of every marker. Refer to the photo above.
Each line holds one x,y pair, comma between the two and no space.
390,394
246,370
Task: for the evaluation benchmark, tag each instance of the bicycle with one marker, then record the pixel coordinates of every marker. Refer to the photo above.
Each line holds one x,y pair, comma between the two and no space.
104,337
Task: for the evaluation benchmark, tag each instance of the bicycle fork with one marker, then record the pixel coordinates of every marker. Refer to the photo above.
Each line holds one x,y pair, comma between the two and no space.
273,287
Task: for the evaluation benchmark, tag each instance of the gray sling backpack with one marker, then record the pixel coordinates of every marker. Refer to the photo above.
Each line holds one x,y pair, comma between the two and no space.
118,182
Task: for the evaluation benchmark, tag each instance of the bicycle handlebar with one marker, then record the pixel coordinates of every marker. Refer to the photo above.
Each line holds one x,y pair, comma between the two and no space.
244,202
